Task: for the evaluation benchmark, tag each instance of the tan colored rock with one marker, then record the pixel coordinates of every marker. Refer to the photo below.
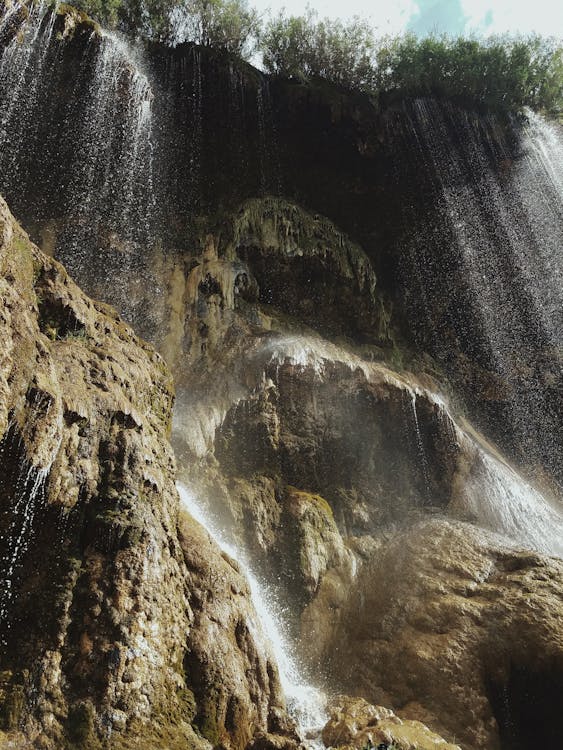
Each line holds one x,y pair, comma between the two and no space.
115,628
354,723
447,624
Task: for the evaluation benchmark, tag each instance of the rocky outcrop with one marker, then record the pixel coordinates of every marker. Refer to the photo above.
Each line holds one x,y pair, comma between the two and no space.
354,723
115,621
450,627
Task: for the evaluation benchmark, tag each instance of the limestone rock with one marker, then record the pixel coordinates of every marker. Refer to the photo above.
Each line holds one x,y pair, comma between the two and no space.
354,723
451,627
115,627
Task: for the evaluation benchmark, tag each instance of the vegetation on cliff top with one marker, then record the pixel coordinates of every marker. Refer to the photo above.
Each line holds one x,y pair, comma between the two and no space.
498,72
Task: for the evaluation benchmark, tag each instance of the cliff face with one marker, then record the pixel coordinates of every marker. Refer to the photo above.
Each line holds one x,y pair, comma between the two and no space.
312,338
116,618
460,632
431,192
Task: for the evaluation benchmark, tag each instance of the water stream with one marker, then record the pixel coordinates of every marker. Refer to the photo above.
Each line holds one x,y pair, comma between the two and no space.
23,73
111,203
306,704
486,261
498,499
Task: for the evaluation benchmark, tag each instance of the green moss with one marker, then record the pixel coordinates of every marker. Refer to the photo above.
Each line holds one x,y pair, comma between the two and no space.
207,722
11,708
80,729
315,501
77,17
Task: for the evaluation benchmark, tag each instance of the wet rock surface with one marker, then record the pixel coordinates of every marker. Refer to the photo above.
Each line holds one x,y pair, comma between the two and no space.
451,628
354,723
117,620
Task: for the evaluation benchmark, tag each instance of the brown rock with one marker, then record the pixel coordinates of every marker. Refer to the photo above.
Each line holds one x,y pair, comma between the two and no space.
113,623
456,629
354,723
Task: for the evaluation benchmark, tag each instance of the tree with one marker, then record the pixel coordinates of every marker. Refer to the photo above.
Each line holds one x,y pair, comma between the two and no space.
230,25
304,47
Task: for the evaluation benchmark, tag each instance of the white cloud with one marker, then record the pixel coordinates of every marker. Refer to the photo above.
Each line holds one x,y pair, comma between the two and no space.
517,16
387,16
484,16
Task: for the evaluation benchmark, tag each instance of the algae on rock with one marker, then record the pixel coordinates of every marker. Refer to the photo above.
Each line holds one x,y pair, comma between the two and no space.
103,607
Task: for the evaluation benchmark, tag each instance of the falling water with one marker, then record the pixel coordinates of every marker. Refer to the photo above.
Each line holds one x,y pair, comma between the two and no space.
488,260
23,70
112,196
305,703
496,498
196,131
270,171
28,495
420,447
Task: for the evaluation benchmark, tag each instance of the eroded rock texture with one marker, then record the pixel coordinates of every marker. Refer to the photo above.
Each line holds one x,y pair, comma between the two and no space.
118,627
342,477
354,723
455,630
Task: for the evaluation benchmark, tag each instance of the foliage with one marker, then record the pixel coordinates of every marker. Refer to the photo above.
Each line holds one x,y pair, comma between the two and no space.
226,24
499,72
303,47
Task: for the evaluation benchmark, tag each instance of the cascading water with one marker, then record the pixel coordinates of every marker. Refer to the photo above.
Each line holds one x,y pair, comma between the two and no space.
22,487
498,499
305,703
24,69
112,202
485,263
28,495
270,179
493,496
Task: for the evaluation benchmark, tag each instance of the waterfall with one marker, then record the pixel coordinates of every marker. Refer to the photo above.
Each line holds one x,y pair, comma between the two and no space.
496,498
28,494
270,172
111,203
305,703
485,262
23,71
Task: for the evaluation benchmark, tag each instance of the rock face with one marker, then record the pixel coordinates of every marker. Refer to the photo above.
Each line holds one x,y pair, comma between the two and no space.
322,461
354,723
115,621
451,628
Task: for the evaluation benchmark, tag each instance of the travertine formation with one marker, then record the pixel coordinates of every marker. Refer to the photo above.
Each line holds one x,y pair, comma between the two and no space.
456,630
117,621
354,723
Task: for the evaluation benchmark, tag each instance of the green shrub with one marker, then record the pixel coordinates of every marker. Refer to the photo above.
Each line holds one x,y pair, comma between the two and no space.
304,47
497,72
226,24
230,25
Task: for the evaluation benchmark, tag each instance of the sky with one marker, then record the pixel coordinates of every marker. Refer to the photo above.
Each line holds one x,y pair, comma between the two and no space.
480,17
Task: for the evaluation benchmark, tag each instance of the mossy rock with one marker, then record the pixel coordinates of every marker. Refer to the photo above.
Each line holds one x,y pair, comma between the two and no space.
75,19
207,721
313,501
11,708
80,727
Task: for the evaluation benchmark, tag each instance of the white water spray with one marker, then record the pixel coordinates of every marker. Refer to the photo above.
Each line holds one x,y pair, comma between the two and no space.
498,499
27,496
305,703
23,70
